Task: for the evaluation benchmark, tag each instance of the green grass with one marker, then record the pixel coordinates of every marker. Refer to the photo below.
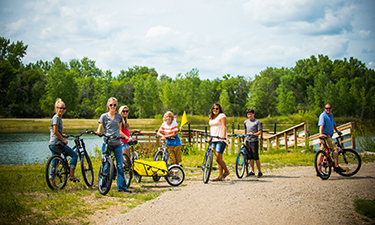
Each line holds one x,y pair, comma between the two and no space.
366,208
26,199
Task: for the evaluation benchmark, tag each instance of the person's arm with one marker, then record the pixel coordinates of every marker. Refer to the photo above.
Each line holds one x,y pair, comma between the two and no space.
337,131
223,122
122,134
58,135
99,131
321,131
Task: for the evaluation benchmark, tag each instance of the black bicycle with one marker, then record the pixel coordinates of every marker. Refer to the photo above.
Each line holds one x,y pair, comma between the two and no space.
208,157
242,160
133,156
108,171
57,168
348,159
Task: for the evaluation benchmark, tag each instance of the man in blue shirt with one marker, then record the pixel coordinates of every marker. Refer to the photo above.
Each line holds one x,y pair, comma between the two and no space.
326,127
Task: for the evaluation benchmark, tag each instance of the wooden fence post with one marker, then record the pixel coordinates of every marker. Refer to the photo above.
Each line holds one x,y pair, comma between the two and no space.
352,128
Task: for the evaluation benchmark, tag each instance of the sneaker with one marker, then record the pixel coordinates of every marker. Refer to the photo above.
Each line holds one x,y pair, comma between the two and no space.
260,174
250,174
338,169
319,174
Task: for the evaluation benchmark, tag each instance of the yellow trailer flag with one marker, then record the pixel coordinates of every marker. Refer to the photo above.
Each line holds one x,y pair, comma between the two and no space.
184,119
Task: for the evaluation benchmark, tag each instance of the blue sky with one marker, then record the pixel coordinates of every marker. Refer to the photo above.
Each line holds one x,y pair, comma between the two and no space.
217,37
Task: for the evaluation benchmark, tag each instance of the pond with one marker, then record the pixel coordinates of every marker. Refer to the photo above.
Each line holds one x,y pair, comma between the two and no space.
29,148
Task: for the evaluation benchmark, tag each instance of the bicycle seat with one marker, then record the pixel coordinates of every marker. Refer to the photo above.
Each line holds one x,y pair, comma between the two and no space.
132,142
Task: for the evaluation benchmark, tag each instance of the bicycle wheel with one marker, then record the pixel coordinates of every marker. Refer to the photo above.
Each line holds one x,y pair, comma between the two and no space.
321,164
87,169
158,157
127,170
175,175
137,177
56,172
207,167
106,172
350,161
240,164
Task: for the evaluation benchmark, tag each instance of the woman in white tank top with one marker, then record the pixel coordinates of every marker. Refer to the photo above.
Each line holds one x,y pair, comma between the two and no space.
218,128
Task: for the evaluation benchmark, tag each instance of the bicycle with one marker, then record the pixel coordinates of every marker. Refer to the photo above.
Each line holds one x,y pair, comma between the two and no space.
348,159
242,160
161,155
108,171
57,166
208,157
133,155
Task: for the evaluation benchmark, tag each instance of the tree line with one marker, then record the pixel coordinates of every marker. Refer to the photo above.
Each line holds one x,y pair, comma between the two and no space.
30,90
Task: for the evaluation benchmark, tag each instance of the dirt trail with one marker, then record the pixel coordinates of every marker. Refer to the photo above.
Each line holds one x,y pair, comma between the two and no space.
291,195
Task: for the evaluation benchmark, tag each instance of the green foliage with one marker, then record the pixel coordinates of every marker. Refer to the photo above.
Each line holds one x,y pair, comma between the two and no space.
365,136
365,207
347,84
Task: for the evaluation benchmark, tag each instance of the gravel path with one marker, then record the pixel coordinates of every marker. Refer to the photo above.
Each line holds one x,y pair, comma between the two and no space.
291,195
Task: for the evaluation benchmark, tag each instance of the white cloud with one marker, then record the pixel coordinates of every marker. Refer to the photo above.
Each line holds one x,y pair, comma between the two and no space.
222,37
363,34
16,27
158,31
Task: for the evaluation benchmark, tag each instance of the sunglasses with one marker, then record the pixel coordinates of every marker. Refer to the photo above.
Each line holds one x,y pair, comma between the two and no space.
215,108
114,105
61,108
125,111
329,108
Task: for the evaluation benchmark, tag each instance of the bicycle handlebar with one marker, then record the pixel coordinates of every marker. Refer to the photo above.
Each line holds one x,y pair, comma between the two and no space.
238,135
157,136
109,137
79,135
206,135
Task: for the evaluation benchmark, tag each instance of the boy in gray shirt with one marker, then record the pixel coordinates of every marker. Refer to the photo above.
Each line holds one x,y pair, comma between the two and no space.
253,128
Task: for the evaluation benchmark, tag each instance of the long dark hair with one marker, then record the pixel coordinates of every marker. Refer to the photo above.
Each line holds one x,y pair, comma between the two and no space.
212,115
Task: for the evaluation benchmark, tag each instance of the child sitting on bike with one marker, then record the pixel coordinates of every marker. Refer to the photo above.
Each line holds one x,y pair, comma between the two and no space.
169,129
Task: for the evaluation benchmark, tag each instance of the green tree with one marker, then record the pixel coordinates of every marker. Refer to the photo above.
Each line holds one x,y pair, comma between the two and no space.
60,83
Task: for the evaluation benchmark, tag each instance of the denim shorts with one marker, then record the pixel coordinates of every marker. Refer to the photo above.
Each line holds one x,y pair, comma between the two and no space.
219,146
125,146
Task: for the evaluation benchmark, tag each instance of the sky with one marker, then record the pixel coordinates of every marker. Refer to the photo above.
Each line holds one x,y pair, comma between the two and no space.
218,37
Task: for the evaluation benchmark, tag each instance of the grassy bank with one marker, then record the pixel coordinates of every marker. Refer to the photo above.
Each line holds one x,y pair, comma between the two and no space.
26,199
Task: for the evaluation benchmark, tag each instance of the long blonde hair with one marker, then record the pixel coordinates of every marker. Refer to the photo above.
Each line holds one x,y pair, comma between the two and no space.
110,100
124,120
58,101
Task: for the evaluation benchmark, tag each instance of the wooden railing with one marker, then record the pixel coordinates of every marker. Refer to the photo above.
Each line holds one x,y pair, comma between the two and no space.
346,130
294,137
297,135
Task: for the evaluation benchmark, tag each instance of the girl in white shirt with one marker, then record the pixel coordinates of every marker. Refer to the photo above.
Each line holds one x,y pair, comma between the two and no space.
218,128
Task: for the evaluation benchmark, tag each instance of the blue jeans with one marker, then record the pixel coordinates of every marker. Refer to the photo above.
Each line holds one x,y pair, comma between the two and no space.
117,149
219,146
57,150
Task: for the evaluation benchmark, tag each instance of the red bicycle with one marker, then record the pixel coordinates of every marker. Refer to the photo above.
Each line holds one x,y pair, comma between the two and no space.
348,159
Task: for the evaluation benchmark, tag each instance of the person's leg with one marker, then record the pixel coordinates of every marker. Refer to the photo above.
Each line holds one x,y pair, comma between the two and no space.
73,162
178,154
255,147
172,155
121,185
223,170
